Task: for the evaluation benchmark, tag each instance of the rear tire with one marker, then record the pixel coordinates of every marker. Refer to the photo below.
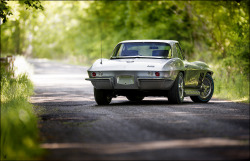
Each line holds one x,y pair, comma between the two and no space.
135,98
102,97
176,93
206,95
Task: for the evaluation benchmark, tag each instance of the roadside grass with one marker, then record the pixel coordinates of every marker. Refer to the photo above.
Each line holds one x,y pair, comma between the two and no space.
19,131
232,85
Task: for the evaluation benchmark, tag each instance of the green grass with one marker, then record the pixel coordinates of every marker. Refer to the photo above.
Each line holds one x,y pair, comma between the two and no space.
19,131
231,85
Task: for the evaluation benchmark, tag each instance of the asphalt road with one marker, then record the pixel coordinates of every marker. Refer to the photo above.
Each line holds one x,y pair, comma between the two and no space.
73,127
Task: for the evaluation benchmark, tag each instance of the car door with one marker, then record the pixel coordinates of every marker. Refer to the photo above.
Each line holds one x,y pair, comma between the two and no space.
192,73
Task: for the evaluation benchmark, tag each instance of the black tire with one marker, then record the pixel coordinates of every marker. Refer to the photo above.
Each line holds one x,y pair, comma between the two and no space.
102,97
176,93
135,98
208,91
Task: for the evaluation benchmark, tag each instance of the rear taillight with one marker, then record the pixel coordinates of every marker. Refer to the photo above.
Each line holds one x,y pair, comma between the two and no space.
157,74
93,74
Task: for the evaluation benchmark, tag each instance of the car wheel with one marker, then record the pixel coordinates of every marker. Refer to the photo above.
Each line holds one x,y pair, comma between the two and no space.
102,97
207,90
135,98
176,93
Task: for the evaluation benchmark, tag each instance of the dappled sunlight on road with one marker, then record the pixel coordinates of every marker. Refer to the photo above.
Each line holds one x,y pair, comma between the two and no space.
66,81
61,97
116,148
220,101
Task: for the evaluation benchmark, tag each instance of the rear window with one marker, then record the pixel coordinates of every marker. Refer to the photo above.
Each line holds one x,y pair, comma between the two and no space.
142,49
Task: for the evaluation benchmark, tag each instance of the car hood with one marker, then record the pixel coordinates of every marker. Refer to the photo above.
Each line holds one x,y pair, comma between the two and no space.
137,64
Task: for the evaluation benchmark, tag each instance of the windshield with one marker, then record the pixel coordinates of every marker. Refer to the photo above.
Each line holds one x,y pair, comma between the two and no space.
142,49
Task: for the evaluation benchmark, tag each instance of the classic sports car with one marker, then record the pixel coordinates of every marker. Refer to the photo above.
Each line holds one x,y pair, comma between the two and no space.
140,68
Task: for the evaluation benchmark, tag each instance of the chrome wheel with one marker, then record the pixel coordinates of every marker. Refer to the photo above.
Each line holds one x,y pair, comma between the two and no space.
181,87
206,88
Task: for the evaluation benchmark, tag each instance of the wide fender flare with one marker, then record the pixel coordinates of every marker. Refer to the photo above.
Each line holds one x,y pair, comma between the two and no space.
174,66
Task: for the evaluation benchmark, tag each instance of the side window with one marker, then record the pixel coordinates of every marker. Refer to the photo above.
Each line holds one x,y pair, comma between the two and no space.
117,50
179,52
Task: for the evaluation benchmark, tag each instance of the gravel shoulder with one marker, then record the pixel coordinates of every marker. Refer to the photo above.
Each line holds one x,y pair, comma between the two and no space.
73,127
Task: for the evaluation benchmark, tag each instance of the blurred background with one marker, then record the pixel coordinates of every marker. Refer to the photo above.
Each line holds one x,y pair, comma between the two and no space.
216,32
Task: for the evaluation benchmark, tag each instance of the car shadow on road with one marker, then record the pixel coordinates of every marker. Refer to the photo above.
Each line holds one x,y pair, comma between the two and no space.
212,102
153,102
124,102
145,102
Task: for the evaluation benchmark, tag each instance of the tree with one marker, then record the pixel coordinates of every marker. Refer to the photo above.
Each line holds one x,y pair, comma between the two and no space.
5,9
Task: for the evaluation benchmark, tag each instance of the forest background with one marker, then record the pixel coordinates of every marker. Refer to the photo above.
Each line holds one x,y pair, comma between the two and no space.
216,32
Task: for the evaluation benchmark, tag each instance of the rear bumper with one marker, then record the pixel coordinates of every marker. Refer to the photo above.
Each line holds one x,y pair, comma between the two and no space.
139,83
102,83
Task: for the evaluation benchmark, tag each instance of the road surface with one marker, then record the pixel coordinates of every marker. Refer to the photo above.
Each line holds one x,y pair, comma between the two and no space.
73,127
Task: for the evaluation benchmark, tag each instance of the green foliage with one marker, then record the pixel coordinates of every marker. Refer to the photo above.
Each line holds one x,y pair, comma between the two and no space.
5,9
19,132
212,31
33,4
15,37
233,86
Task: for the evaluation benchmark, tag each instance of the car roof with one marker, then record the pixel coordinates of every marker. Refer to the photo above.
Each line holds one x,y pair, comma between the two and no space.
162,41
